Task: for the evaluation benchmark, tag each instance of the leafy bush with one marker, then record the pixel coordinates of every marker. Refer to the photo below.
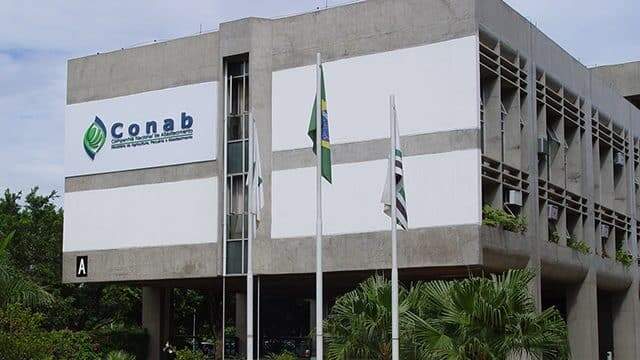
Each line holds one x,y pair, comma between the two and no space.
286,355
624,257
498,217
71,345
554,237
230,331
134,341
579,246
119,355
21,337
188,354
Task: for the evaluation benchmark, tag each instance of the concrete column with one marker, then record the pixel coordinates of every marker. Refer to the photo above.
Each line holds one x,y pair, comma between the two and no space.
626,324
582,318
155,311
241,321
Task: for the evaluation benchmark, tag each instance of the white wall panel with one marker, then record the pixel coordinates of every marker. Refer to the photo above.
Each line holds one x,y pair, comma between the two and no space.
174,213
442,189
436,88
199,101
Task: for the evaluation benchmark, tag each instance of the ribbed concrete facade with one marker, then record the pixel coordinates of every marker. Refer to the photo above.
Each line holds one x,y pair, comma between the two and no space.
508,159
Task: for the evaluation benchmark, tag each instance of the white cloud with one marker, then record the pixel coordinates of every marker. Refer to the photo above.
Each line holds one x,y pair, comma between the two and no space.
37,37
594,32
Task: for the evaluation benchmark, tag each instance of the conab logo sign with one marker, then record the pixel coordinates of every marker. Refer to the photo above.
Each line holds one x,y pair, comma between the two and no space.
134,134
94,138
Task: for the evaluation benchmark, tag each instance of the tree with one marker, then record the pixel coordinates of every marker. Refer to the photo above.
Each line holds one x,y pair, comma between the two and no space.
16,287
36,252
480,318
359,324
487,318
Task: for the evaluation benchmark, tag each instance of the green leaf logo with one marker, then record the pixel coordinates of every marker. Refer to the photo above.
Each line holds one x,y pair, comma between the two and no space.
94,138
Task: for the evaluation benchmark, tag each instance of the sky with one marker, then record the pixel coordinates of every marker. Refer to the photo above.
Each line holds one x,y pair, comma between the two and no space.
38,37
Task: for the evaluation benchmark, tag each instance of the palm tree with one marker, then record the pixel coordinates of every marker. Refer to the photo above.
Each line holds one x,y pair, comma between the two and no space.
359,324
486,318
16,287
477,318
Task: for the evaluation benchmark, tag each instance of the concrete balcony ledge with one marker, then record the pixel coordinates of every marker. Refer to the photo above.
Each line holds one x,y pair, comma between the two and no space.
612,275
563,263
503,249
455,245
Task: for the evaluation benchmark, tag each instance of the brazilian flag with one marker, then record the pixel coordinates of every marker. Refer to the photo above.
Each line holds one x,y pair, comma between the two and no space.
325,144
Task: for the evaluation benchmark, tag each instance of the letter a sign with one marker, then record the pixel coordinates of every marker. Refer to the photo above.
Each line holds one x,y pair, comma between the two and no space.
81,266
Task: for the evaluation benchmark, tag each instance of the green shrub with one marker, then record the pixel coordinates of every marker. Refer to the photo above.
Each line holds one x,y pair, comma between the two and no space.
579,246
624,257
71,345
119,355
230,331
134,341
188,354
21,337
285,355
554,237
20,334
498,217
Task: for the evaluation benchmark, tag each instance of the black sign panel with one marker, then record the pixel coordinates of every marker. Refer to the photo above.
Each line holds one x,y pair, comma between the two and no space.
82,266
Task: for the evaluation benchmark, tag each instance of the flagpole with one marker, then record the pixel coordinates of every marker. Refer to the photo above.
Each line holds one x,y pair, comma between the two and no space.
319,292
395,346
258,320
252,229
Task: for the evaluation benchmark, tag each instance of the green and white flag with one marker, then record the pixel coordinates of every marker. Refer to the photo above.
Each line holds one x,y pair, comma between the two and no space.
325,145
401,198
254,178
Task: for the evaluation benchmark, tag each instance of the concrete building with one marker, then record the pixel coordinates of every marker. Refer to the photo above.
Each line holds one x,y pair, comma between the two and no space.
623,77
491,112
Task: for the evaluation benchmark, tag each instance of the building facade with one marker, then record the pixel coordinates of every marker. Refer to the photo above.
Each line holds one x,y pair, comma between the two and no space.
491,113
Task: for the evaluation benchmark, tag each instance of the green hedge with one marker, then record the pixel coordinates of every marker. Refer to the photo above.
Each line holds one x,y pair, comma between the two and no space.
134,341
21,337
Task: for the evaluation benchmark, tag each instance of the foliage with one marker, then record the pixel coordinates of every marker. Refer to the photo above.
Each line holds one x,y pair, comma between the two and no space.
37,225
128,339
15,286
475,318
498,217
285,355
554,237
624,257
230,332
187,302
188,354
359,323
35,251
119,355
71,345
578,245
21,337
486,318
31,234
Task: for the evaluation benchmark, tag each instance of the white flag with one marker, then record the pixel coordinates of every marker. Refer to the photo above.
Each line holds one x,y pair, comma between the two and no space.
401,200
254,178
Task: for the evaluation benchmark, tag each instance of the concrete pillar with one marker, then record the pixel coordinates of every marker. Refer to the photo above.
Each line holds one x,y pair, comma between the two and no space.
582,318
155,318
626,324
241,321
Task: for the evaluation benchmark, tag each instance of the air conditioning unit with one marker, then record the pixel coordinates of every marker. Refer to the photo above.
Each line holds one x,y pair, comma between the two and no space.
604,231
543,146
553,212
618,159
514,198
